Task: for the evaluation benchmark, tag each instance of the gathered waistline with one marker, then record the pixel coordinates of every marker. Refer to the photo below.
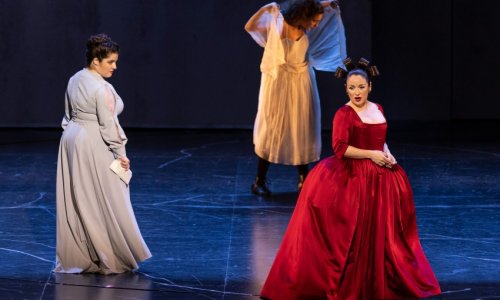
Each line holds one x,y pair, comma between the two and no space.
295,68
78,116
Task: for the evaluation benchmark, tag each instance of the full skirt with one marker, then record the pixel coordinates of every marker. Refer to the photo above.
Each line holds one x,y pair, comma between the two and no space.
96,228
353,235
288,123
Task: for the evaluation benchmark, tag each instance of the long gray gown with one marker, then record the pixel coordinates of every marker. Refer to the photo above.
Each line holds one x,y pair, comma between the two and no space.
96,228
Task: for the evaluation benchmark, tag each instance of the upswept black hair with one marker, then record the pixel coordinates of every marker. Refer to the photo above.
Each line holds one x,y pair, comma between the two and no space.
362,68
295,11
100,46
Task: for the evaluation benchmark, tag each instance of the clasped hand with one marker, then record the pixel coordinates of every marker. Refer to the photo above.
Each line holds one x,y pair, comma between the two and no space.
383,159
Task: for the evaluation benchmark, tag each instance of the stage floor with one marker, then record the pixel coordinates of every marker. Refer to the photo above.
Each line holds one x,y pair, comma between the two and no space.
212,239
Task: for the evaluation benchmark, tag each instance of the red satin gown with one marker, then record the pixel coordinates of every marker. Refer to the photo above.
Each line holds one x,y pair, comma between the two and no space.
353,234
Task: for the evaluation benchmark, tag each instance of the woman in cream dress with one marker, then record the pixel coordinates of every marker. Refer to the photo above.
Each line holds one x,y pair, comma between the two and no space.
96,228
297,36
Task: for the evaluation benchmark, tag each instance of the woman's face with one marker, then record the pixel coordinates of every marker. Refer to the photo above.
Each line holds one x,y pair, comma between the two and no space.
105,67
358,88
312,23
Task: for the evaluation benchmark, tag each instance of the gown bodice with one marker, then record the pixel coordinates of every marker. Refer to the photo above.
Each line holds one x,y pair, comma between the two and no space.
350,130
86,89
367,136
295,52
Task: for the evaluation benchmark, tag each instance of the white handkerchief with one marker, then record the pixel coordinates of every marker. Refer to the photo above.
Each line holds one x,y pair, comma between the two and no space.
125,175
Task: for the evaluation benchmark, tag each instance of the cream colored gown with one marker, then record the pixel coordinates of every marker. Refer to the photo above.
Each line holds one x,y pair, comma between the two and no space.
287,128
96,227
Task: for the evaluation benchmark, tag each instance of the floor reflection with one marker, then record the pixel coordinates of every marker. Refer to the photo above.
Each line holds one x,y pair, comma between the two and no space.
212,239
101,287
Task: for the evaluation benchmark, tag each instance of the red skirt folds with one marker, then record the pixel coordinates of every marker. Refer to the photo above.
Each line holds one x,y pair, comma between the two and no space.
353,235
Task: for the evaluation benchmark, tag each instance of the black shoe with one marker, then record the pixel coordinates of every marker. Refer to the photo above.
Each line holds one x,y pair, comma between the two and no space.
300,184
260,189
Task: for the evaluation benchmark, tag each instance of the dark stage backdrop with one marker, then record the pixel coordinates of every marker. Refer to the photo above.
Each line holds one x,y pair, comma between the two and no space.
190,64
440,58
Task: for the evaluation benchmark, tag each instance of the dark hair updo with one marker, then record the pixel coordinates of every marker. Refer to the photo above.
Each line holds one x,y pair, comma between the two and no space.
359,72
100,46
295,11
362,68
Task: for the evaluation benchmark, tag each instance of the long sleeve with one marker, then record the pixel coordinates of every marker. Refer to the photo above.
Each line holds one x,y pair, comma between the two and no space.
342,128
327,45
265,28
67,111
117,109
110,129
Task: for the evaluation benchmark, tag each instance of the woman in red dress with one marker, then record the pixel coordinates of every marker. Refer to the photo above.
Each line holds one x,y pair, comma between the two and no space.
353,234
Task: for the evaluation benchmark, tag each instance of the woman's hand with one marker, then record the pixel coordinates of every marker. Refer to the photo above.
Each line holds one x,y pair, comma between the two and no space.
125,163
392,159
333,3
381,159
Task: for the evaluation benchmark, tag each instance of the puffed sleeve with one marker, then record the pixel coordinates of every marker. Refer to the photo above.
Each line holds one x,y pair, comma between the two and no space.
265,28
259,24
110,129
327,46
381,109
342,128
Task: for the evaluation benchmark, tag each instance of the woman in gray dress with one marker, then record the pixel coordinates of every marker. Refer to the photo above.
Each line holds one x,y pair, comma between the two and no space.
96,228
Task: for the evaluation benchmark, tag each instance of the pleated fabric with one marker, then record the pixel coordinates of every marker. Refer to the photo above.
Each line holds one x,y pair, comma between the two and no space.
353,233
287,126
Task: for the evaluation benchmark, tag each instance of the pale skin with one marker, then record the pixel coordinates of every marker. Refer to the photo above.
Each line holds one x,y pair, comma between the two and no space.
358,88
105,68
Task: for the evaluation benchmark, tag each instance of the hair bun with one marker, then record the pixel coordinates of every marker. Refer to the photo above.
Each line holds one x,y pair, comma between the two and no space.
340,73
363,65
98,39
349,65
373,71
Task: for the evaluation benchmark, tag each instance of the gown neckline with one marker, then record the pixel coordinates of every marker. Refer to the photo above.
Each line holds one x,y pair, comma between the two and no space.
361,120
